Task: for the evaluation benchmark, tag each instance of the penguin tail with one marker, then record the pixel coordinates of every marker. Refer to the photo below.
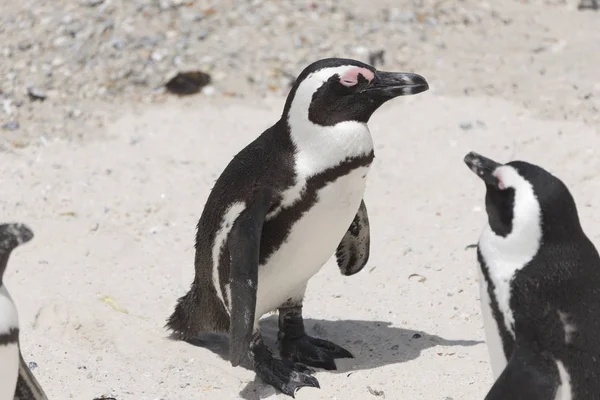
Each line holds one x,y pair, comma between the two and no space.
185,320
28,388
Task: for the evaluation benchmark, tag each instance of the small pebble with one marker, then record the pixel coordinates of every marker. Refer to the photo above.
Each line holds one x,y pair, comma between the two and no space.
465,126
35,94
32,365
92,3
24,45
10,126
375,392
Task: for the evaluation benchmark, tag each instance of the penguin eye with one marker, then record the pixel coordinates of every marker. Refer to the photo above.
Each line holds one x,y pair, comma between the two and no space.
341,86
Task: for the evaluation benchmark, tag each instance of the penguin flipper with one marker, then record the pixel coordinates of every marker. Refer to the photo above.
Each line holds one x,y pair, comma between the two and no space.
244,249
352,253
528,375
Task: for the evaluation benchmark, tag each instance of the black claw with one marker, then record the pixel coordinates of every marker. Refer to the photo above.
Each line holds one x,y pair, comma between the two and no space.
312,381
285,375
333,349
299,381
314,352
303,368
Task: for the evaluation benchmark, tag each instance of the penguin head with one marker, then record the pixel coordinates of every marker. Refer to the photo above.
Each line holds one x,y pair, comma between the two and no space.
11,236
335,90
520,195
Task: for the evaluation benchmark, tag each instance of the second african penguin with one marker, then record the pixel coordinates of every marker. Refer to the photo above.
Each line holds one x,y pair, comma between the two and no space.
540,286
17,382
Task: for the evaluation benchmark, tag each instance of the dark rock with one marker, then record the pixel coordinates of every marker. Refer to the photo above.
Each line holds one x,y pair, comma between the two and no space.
186,83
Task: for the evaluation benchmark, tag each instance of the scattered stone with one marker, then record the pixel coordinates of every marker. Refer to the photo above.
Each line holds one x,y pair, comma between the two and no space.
468,125
35,94
89,51
589,5
10,126
420,278
92,3
74,113
377,57
186,83
24,45
376,392
465,126
32,365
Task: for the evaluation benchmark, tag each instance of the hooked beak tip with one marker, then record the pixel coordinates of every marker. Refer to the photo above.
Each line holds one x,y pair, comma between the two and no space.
392,84
413,84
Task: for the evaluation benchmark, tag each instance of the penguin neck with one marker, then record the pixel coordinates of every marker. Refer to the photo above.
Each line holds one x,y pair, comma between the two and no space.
318,148
521,236
3,264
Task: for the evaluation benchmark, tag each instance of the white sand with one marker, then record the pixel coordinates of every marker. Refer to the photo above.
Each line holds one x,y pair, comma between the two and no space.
138,192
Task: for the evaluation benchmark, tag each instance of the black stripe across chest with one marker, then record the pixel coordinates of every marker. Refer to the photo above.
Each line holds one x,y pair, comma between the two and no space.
506,337
10,337
277,229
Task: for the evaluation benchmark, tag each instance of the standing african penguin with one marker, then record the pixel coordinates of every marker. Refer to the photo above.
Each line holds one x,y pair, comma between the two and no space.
16,380
540,286
281,208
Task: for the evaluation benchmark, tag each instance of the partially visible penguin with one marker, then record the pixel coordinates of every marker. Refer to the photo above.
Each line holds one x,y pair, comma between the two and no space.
16,380
283,206
540,286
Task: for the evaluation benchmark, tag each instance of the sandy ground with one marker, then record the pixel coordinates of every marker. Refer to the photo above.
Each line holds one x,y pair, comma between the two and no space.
114,217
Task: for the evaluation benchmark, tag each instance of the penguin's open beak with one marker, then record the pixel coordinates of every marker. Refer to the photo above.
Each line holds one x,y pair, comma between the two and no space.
482,167
392,84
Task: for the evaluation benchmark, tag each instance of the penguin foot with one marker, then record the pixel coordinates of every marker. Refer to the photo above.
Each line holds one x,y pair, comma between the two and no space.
285,375
313,352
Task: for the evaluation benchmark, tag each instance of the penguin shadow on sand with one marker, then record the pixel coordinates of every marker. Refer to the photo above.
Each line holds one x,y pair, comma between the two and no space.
373,343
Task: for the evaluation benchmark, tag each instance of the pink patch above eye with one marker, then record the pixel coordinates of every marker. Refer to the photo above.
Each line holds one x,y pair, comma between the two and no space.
500,183
350,77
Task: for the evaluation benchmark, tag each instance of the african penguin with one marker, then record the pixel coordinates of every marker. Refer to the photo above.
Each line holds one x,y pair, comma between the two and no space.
540,286
282,207
16,380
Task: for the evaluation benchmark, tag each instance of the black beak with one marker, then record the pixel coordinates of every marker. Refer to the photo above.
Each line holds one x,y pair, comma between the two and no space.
393,84
482,167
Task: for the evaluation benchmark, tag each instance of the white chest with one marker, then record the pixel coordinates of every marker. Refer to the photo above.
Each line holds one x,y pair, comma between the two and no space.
9,354
492,334
8,312
9,370
503,257
311,242
501,274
